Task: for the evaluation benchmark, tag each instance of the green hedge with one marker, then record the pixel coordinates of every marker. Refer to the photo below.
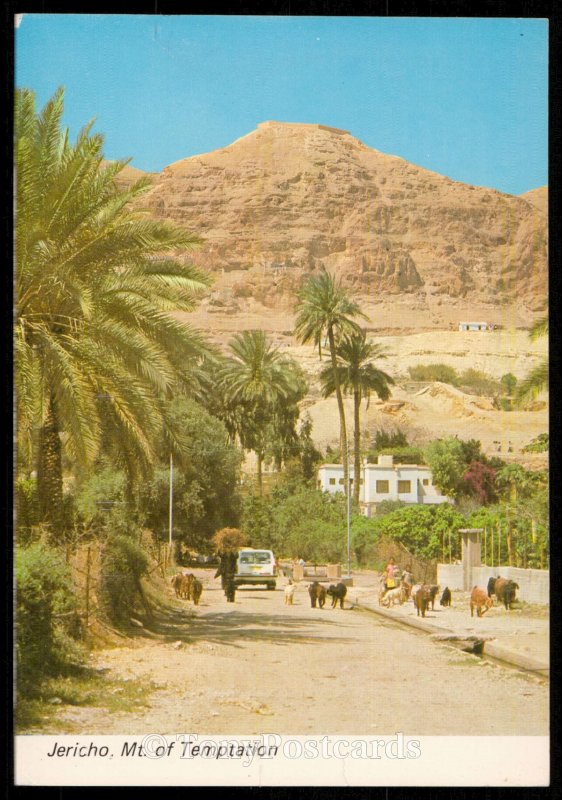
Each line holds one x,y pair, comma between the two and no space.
47,623
123,564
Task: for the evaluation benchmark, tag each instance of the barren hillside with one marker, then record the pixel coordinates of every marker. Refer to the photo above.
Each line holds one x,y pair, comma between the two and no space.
418,249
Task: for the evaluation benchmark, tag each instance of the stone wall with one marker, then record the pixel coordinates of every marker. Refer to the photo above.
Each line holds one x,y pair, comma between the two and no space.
534,584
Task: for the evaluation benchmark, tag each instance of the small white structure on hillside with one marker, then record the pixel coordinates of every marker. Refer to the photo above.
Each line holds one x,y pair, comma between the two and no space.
384,480
473,326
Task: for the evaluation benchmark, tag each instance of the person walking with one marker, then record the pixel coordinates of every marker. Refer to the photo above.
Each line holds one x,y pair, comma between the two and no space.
227,571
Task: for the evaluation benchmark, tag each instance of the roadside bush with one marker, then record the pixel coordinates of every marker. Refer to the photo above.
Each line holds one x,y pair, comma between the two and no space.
47,622
123,564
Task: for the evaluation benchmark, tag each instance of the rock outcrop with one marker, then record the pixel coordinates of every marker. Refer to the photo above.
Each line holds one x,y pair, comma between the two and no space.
286,199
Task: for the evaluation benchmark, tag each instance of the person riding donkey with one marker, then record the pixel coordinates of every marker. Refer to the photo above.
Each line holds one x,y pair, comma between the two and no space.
390,575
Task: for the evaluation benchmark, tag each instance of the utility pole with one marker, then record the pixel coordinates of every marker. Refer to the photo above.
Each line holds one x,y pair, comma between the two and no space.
349,513
171,500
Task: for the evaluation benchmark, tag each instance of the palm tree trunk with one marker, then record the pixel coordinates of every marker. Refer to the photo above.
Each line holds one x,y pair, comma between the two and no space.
260,482
49,473
356,447
343,428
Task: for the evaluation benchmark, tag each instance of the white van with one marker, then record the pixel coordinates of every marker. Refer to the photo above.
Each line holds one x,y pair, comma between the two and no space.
255,567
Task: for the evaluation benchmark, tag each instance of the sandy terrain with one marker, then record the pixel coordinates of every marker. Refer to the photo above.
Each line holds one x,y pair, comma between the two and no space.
259,666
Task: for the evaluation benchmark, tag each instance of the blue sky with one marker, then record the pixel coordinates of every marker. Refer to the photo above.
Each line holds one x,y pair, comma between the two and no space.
464,97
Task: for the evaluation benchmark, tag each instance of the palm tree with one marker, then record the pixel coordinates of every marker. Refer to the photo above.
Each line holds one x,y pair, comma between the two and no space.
357,375
537,380
96,349
325,310
517,483
256,380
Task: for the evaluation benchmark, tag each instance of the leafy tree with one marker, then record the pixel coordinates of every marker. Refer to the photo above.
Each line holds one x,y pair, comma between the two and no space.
384,440
257,520
481,481
206,479
447,463
508,382
324,310
422,529
264,388
301,470
305,523
96,348
471,450
310,458
358,376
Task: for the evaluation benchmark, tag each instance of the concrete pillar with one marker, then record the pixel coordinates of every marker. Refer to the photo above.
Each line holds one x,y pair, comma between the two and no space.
471,554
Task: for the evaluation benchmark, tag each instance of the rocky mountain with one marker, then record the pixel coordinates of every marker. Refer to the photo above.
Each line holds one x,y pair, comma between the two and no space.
286,199
538,198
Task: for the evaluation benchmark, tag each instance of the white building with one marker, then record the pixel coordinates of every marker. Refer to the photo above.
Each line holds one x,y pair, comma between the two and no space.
473,326
385,480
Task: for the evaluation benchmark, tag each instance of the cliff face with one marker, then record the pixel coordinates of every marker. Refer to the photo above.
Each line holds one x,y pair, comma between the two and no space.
277,204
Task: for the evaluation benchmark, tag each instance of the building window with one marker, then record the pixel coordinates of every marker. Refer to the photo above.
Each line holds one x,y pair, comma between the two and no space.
341,481
425,481
332,481
404,487
383,487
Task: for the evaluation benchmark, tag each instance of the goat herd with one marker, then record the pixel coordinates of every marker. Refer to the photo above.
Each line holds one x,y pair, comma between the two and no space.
187,586
423,595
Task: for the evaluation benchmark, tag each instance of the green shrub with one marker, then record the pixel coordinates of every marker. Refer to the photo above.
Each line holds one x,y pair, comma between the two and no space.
434,372
504,404
383,440
402,455
474,380
123,564
27,509
47,622
537,445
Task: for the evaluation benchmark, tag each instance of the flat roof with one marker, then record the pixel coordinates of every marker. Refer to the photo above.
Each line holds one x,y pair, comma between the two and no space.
375,466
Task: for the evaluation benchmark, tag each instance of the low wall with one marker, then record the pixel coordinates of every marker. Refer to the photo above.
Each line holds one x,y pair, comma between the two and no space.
534,584
450,575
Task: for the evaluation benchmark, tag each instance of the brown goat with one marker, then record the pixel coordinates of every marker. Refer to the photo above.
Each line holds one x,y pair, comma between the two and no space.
480,601
421,600
176,583
186,586
196,590
317,594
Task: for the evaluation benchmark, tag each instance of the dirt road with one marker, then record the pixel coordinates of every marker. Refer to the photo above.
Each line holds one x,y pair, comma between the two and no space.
260,666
